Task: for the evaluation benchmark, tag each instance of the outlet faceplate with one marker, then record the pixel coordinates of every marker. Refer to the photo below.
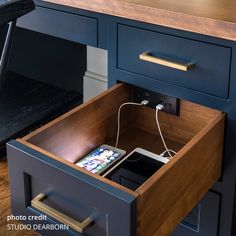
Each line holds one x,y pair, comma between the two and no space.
172,104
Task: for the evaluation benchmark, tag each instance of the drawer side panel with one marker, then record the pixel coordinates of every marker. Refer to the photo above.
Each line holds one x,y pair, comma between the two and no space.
170,194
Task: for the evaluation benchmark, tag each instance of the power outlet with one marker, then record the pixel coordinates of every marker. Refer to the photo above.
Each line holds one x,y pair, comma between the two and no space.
172,104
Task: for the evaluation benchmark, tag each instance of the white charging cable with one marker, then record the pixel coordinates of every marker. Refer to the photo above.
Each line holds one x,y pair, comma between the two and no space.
160,107
143,103
170,150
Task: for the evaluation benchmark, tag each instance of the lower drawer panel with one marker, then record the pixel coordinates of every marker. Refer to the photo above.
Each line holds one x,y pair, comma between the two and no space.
203,219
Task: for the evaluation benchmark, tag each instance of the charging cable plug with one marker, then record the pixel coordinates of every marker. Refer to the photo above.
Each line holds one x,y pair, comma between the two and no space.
160,107
144,102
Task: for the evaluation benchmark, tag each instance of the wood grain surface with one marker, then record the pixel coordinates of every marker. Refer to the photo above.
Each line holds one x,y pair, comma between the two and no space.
215,18
5,209
82,129
182,128
91,125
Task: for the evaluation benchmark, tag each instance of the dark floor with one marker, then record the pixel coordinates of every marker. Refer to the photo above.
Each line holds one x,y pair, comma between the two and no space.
26,104
5,206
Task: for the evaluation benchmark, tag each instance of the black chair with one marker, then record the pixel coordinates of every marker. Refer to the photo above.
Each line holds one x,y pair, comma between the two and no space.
10,10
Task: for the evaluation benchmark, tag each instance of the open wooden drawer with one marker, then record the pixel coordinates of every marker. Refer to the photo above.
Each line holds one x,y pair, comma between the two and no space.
46,157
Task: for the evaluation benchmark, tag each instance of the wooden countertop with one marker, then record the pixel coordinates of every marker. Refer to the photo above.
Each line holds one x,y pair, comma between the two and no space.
210,17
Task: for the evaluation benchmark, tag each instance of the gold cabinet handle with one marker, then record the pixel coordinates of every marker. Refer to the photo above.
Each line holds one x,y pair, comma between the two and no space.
146,56
72,223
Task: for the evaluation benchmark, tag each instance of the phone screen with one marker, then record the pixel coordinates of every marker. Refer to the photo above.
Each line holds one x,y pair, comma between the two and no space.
99,159
134,170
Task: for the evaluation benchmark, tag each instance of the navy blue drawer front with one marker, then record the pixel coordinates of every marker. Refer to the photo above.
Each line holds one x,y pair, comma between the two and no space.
67,201
33,173
76,28
209,75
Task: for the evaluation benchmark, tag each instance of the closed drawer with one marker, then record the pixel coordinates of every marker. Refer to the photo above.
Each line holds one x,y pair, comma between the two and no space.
203,219
165,57
76,28
43,163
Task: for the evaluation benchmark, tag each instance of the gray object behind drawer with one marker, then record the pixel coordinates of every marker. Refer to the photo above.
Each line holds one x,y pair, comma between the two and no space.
76,28
209,75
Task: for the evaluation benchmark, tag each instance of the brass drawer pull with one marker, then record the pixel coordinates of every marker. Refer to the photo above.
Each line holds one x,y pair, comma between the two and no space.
74,224
146,56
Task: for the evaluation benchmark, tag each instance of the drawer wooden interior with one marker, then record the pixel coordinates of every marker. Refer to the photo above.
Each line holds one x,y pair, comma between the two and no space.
167,196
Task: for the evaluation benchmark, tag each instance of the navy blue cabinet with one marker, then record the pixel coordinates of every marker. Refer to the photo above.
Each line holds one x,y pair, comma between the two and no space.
147,56
201,84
